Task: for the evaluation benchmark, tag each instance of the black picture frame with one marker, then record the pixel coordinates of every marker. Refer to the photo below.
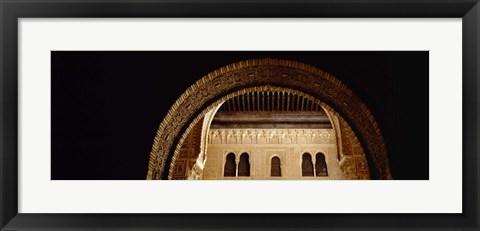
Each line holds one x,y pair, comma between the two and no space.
11,11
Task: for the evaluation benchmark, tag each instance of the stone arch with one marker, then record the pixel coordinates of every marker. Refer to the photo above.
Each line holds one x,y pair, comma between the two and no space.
348,167
264,74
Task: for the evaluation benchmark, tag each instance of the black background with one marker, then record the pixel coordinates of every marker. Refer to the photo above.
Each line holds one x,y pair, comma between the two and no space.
107,106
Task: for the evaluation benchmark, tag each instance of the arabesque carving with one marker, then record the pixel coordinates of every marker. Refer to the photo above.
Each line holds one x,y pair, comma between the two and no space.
265,74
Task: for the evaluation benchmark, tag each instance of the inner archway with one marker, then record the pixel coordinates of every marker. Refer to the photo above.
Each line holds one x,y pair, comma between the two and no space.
265,74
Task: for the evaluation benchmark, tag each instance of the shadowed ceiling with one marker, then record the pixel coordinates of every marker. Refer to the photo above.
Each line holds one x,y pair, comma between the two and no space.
270,109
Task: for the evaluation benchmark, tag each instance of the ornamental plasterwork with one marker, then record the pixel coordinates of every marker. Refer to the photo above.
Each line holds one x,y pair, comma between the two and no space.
265,74
271,136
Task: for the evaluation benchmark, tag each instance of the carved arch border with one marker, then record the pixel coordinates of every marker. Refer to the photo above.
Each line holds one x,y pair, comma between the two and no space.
258,75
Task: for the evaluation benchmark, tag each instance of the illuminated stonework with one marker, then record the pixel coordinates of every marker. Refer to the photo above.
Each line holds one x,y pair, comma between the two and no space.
288,145
265,74
271,136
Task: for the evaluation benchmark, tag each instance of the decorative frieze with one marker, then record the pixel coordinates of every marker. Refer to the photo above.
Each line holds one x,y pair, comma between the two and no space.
271,136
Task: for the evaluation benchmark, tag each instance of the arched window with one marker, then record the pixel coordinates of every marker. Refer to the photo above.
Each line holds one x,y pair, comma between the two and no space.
244,165
275,168
307,165
230,166
320,165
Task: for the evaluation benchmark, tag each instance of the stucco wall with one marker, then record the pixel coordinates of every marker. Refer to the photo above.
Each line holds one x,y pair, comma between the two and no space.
263,144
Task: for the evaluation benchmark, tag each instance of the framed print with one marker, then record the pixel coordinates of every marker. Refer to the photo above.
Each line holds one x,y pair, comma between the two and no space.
229,115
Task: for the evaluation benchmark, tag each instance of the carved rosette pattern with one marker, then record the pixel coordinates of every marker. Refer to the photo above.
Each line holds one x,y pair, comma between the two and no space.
265,74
